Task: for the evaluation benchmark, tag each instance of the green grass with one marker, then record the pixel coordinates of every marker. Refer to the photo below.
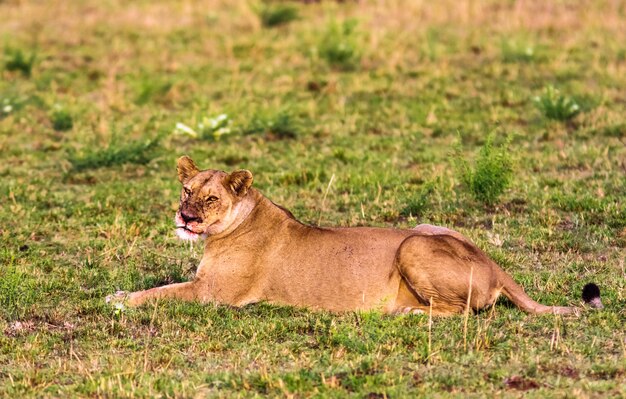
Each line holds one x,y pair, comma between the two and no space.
272,15
492,173
115,153
61,119
371,97
281,124
339,45
518,52
16,60
18,291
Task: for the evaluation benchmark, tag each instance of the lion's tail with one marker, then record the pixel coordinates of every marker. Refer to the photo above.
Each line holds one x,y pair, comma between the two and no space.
516,294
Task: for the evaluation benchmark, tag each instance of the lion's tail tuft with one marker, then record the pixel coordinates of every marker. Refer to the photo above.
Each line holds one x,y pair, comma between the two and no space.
591,296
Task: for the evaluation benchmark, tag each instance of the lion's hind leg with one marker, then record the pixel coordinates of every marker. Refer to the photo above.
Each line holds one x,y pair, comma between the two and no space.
438,269
409,302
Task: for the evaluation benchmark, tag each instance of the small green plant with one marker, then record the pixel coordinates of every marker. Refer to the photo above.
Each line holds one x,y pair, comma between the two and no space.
515,52
339,45
61,119
272,15
281,125
18,61
209,128
554,105
491,174
151,89
116,153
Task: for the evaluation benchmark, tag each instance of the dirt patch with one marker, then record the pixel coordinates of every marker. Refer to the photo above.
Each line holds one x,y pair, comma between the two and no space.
520,383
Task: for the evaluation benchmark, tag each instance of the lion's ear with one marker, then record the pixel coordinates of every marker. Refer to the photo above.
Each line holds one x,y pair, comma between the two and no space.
239,182
186,169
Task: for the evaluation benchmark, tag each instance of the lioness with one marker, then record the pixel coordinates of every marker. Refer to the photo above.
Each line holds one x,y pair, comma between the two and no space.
257,251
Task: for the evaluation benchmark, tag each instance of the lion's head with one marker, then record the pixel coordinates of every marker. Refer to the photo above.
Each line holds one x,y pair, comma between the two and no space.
210,199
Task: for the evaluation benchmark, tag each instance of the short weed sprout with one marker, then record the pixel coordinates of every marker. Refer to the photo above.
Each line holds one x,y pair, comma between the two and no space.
278,125
556,106
272,15
152,90
18,61
339,46
61,119
491,174
514,52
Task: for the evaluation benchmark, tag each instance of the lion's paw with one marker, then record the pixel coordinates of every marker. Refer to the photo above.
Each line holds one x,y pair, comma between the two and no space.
410,310
117,299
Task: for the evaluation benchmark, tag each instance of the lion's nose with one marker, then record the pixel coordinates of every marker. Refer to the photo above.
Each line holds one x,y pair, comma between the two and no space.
189,218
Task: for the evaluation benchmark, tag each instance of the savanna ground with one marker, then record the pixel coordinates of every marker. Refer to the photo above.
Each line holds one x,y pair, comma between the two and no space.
366,113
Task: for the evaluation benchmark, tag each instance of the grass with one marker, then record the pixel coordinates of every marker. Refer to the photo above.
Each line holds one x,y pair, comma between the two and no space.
360,133
16,60
272,15
9,103
518,52
491,174
61,119
150,89
115,153
281,124
419,202
339,45
17,292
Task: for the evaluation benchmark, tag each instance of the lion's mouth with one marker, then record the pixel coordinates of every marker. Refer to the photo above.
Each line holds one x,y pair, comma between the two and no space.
187,228
187,231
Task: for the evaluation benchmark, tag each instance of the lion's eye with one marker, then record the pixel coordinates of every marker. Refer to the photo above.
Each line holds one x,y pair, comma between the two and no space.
187,191
212,198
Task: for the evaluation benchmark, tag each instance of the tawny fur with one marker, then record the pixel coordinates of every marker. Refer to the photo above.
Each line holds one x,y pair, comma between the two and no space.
257,251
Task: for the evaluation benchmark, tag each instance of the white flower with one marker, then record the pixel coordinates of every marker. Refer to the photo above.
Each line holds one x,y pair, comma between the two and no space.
181,128
215,127
216,122
221,132
119,308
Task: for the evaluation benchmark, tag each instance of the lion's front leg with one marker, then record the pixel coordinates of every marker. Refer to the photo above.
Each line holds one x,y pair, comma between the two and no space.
186,291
